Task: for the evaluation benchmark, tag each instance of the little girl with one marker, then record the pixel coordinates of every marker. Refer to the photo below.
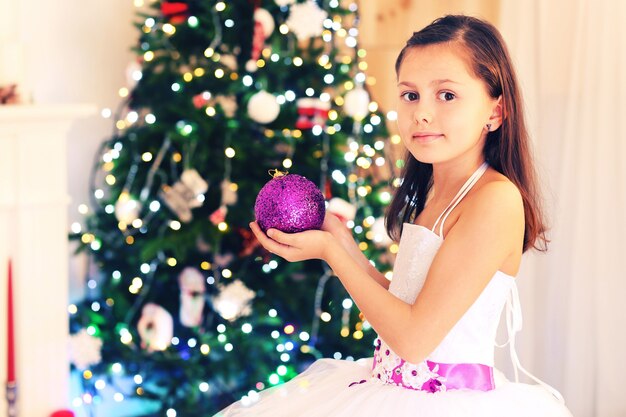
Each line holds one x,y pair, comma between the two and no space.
466,211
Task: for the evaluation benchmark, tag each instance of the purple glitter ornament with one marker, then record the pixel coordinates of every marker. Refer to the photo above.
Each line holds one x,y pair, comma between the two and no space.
290,203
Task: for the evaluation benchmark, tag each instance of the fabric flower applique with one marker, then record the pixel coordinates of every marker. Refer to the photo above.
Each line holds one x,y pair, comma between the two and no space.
415,375
436,382
389,368
385,363
434,385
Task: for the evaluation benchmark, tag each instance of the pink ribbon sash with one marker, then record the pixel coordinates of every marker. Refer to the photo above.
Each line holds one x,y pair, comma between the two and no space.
474,376
428,375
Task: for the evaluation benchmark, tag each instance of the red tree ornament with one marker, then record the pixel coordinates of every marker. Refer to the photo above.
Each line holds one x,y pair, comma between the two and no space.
176,12
311,112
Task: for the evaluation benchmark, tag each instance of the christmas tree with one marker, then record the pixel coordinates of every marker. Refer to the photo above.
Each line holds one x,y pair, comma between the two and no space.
186,310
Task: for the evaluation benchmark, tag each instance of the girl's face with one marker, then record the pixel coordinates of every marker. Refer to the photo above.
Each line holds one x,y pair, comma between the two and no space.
443,107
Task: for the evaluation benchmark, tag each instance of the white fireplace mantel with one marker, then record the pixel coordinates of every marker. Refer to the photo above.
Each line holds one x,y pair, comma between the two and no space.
33,233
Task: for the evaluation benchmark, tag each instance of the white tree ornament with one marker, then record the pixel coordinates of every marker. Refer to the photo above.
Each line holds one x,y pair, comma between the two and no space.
156,327
356,103
229,61
192,289
194,182
266,20
228,104
306,20
185,194
263,107
251,66
229,193
84,349
233,301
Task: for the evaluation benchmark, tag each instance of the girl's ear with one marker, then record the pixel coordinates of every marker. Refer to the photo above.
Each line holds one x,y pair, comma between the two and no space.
495,120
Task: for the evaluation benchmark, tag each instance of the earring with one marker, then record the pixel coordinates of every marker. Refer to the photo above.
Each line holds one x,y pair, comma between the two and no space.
488,126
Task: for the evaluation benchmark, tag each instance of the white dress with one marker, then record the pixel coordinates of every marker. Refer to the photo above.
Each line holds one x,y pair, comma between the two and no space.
457,379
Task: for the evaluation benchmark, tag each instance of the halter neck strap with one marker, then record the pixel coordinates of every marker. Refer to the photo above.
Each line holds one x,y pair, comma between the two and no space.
473,179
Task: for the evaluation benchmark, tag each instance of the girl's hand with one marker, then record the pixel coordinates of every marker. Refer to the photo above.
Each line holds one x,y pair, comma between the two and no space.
333,225
310,244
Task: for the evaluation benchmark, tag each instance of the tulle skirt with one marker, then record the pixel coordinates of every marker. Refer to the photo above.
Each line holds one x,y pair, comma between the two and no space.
335,388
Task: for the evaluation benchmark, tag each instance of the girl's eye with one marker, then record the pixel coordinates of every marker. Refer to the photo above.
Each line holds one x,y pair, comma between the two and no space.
446,96
409,96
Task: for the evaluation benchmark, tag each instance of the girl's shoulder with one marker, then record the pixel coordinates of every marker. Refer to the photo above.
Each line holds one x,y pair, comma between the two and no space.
495,208
495,188
495,196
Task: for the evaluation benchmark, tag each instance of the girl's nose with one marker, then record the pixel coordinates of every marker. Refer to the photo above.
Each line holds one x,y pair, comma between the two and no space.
422,116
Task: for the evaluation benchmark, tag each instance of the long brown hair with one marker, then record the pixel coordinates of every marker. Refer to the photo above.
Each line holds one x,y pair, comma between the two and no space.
506,149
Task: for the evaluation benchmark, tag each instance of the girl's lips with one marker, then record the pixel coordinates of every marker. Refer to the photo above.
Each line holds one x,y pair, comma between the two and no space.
426,137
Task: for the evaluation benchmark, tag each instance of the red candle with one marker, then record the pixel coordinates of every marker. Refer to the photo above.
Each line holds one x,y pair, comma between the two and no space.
62,413
10,335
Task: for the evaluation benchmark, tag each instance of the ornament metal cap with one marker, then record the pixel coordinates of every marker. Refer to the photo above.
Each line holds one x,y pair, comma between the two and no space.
275,173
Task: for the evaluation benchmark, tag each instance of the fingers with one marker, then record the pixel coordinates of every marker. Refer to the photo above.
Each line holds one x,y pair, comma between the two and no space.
281,237
269,244
277,235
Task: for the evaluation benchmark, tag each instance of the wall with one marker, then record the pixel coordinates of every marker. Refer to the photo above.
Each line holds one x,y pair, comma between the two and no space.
74,53
386,26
